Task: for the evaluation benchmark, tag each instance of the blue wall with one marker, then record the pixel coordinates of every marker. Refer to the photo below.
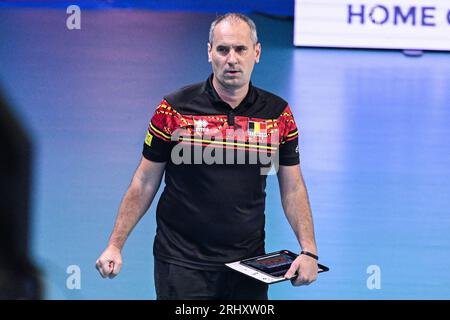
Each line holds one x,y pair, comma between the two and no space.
275,7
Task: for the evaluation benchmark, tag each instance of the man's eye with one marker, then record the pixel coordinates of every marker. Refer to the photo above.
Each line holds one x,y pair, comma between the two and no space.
222,50
241,49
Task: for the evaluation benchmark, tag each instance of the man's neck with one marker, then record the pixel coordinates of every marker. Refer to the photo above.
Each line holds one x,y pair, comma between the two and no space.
232,96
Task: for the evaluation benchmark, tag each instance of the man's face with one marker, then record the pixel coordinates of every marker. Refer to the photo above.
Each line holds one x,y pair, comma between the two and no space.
233,54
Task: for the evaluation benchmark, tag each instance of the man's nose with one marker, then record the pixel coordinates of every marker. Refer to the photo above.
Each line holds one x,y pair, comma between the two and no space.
232,57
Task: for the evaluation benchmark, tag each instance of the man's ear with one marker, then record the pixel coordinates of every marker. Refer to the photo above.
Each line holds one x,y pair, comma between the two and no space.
209,52
257,52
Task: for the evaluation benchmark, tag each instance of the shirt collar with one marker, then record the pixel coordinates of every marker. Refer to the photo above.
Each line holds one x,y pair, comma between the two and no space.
249,99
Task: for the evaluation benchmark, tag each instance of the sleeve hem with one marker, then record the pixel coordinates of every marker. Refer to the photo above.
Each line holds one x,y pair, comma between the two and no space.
147,154
290,162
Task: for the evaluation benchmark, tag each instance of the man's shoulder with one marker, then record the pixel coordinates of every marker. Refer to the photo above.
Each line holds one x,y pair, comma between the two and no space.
269,96
185,94
276,103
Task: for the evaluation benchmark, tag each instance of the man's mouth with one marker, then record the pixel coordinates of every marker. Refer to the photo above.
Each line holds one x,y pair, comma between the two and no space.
233,72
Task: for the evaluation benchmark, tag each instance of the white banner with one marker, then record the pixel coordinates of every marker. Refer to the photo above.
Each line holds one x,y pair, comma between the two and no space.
382,24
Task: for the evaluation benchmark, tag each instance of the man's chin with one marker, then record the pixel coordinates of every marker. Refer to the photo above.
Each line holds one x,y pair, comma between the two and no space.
233,83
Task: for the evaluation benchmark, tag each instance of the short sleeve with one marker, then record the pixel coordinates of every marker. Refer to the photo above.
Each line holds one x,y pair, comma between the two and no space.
158,143
288,150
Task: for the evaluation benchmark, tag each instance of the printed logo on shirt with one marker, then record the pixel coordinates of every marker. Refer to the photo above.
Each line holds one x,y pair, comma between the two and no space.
257,129
148,139
201,126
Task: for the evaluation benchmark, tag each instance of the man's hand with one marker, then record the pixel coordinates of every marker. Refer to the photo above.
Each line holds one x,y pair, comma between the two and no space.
110,262
306,269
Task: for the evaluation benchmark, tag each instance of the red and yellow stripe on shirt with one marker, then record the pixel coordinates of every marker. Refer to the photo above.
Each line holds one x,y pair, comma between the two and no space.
167,120
288,128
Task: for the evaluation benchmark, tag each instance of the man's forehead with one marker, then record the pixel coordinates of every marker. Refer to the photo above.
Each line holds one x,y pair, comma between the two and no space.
230,31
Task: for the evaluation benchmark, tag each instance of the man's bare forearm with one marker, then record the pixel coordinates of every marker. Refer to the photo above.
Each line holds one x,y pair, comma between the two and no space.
134,204
298,211
136,201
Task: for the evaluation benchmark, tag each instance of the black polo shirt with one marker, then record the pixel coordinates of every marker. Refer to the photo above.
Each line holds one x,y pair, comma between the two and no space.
212,208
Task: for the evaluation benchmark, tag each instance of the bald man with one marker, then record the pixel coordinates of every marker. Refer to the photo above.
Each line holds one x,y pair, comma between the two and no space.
216,141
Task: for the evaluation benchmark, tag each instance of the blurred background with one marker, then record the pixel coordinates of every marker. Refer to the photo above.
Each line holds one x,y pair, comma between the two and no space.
80,81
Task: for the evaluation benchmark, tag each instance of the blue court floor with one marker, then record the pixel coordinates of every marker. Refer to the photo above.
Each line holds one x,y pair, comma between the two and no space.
375,148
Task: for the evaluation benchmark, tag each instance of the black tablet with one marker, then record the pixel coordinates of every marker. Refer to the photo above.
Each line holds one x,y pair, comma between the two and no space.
270,267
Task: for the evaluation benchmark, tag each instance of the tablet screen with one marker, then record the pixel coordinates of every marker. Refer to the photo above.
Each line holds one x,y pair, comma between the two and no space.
276,264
